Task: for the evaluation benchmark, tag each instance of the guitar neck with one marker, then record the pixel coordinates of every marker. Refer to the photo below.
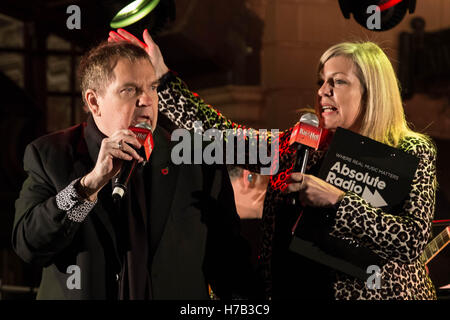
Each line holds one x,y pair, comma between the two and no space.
436,245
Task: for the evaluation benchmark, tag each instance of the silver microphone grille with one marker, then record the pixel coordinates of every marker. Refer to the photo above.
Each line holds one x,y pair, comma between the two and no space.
144,125
310,118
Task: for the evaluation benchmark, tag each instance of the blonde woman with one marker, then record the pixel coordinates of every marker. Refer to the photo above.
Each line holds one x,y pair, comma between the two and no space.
358,90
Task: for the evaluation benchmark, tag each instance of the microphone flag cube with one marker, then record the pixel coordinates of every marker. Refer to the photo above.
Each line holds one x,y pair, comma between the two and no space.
307,135
145,137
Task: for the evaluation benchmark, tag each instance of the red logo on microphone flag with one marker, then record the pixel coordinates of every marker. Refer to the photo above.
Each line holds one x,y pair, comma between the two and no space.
307,135
145,137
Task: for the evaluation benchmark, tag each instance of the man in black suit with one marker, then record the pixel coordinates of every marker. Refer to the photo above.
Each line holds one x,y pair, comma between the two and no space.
175,231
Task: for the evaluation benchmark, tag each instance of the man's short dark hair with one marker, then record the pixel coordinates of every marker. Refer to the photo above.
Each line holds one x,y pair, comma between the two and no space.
234,171
96,69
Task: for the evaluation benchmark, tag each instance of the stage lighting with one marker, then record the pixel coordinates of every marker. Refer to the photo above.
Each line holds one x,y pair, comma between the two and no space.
133,12
390,14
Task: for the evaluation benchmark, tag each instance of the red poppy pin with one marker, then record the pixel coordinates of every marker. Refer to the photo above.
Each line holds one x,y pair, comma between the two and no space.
165,171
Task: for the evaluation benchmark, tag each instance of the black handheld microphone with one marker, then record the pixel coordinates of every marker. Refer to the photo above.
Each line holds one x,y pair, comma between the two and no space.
306,135
143,132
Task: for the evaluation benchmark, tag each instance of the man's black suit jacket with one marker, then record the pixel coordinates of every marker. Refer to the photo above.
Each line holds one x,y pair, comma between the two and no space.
198,242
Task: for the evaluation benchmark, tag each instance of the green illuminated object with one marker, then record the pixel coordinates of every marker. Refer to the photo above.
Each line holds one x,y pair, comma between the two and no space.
133,12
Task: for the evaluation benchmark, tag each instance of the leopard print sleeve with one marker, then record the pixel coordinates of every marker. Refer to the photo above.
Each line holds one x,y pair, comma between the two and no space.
401,237
184,108
187,110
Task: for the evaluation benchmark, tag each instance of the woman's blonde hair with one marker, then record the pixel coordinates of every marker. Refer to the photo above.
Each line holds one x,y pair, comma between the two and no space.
382,114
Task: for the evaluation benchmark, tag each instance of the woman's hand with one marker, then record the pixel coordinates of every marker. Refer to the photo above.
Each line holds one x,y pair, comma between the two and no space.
313,191
149,46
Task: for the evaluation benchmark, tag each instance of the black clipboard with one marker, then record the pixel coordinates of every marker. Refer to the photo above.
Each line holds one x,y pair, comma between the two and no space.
381,174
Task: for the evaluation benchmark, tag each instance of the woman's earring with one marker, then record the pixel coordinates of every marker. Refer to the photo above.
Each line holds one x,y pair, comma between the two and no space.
250,178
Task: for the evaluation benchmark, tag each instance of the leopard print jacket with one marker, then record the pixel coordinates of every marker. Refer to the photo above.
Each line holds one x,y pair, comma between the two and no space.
399,239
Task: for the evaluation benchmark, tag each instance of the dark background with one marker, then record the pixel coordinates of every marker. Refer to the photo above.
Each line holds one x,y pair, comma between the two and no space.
222,49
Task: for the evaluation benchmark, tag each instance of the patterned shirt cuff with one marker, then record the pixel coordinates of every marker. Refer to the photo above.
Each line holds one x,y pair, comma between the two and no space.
70,201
